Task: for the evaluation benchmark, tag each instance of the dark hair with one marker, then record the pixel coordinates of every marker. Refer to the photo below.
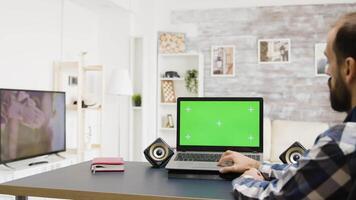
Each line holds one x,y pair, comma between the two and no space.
345,40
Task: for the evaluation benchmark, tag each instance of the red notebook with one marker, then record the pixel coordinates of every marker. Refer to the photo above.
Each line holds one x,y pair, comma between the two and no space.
107,164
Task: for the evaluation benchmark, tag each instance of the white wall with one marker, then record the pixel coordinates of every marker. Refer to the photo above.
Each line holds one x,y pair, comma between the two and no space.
114,38
144,26
29,43
34,33
102,30
80,33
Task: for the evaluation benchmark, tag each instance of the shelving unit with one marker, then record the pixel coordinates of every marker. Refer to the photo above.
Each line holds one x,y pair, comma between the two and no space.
84,124
180,63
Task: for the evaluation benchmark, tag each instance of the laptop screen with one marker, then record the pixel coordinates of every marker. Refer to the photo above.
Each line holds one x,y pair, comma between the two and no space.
220,124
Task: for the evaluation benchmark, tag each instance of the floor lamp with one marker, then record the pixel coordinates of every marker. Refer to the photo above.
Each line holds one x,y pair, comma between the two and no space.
120,85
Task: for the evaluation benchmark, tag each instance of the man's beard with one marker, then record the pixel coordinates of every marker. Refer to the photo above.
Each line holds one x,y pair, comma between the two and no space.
340,97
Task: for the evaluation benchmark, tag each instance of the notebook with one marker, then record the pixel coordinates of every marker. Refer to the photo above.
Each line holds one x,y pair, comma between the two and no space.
107,164
208,126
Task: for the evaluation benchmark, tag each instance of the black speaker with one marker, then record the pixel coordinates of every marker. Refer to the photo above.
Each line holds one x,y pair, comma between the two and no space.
293,153
158,153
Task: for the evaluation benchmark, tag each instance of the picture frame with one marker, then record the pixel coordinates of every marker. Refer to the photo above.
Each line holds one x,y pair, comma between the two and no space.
72,80
171,42
169,121
223,61
274,51
320,60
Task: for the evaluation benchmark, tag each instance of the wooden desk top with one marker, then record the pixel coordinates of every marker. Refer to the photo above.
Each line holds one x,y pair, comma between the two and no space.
139,181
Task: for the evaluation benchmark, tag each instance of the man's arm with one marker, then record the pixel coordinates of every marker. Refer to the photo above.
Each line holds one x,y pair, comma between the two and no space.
272,171
241,163
232,161
317,175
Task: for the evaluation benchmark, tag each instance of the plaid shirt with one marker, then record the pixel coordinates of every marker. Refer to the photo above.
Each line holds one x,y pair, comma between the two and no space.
326,171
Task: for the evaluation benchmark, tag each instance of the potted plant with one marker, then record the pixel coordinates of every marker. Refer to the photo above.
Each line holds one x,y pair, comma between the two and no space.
136,99
191,80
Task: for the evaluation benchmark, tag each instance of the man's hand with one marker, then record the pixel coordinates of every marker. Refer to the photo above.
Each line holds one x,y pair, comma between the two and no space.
253,173
232,161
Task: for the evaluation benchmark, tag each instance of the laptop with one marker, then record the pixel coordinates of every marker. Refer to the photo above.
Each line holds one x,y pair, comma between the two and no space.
208,126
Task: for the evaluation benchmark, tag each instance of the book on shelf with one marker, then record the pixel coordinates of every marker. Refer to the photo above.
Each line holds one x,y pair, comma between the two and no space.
107,164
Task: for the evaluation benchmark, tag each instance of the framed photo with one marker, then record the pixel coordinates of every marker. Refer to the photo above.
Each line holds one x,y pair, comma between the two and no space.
223,61
169,121
72,80
171,42
273,51
320,60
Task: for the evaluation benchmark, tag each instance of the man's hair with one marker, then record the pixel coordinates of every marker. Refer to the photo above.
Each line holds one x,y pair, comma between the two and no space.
345,40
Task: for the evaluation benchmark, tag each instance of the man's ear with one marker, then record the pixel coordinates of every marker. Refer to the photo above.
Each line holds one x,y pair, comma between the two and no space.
350,69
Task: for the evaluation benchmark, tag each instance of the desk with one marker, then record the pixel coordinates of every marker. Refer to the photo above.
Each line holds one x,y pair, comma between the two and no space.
139,181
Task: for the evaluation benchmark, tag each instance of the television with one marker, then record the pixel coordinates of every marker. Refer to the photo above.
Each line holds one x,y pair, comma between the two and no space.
32,123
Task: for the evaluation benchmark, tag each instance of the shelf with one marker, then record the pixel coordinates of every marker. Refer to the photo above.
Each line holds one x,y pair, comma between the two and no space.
168,104
180,63
93,108
74,108
93,68
168,129
172,79
137,107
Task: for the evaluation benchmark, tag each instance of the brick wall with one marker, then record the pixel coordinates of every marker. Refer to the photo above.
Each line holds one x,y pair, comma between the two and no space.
290,91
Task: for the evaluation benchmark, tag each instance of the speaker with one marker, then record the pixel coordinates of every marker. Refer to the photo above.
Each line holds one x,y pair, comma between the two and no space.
293,153
158,153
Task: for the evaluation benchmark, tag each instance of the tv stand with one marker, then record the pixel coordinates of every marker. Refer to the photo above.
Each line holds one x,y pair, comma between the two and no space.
8,166
38,163
57,154
21,168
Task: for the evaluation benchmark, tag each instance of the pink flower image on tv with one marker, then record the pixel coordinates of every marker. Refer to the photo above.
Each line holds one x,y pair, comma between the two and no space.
32,123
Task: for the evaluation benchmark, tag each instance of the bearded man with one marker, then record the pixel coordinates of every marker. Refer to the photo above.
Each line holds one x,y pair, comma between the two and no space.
327,170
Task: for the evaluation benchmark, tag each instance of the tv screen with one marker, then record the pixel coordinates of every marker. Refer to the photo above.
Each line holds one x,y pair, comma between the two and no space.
32,123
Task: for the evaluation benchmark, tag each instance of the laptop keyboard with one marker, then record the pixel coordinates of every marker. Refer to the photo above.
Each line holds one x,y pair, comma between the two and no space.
198,157
254,156
203,157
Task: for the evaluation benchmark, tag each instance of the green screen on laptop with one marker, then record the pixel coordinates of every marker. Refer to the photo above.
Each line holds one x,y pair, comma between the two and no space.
219,123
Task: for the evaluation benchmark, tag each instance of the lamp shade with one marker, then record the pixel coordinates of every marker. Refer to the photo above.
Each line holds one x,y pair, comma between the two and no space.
120,83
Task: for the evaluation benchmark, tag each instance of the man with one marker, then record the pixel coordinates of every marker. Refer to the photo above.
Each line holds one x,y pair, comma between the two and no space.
328,169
